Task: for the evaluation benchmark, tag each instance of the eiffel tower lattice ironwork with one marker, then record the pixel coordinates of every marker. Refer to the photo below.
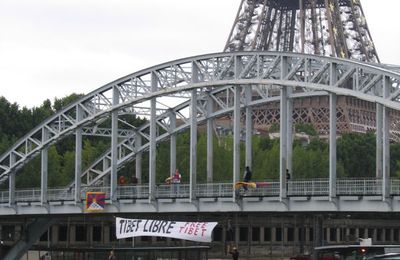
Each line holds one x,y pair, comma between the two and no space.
336,28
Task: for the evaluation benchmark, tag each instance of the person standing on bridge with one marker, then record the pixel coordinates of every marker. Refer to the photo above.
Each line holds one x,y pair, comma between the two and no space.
287,180
176,181
134,184
246,177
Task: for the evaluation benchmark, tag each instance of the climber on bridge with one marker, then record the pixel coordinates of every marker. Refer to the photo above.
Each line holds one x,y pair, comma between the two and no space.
245,185
246,177
175,180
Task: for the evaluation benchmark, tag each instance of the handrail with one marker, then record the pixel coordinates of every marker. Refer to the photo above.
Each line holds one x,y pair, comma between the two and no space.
309,188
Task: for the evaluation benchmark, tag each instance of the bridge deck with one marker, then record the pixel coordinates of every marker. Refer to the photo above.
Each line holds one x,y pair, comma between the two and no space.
315,187
359,195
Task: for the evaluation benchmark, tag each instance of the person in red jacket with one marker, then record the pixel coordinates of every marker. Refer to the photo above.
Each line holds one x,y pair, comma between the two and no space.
176,180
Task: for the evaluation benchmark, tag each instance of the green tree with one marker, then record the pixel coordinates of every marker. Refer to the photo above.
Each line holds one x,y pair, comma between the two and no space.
306,128
357,154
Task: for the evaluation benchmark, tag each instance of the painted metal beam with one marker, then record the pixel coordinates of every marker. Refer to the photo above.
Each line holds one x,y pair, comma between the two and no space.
210,140
172,144
332,134
249,126
78,156
44,169
236,137
114,147
283,131
153,134
386,142
193,145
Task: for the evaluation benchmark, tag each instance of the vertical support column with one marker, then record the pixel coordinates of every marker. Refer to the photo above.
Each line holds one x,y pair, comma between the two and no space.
78,156
236,136
386,142
44,168
289,134
193,133
332,134
193,144
153,135
210,140
11,181
249,127
139,156
283,131
172,143
332,145
236,124
379,141
114,147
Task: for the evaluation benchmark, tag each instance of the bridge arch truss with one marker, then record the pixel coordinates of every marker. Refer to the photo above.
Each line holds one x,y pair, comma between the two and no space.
181,94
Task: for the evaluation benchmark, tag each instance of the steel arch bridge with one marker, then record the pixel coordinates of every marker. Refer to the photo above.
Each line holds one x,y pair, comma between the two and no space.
180,95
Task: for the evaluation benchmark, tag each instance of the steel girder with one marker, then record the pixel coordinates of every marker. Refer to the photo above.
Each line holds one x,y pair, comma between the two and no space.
175,80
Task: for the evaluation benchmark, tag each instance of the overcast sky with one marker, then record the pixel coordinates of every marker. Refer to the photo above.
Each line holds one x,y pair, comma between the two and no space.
52,48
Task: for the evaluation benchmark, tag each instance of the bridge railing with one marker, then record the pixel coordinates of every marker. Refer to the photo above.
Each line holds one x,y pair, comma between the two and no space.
60,194
134,191
4,196
394,187
212,190
271,189
315,187
359,187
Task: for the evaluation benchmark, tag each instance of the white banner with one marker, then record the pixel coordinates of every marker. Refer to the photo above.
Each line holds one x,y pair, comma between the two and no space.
194,231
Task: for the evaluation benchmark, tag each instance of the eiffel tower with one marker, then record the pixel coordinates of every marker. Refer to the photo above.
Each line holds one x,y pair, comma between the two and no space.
335,28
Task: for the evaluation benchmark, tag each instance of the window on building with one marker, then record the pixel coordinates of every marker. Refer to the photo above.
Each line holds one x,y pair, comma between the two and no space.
267,234
230,234
112,233
217,234
243,234
311,234
388,235
290,234
379,234
278,234
45,236
396,235
80,233
62,233
361,233
96,234
302,234
332,234
255,234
